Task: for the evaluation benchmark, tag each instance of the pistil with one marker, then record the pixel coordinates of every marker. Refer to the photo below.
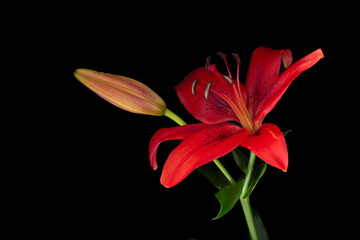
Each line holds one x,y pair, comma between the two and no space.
243,110
239,107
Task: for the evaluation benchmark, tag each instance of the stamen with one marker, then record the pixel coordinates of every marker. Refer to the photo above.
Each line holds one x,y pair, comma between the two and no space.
238,61
207,64
223,56
237,58
207,90
228,79
194,86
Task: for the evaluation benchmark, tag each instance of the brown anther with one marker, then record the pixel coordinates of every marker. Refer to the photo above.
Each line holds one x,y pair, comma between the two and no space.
228,79
207,64
207,90
193,90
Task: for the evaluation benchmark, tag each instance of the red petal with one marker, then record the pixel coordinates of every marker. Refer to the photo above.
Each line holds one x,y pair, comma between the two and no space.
200,148
263,72
274,92
175,133
268,143
214,109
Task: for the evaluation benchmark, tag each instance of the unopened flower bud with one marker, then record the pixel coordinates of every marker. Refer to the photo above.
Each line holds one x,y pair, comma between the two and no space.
123,92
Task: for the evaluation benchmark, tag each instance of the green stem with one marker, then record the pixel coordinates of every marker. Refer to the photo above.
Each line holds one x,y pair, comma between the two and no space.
245,202
249,171
224,171
170,114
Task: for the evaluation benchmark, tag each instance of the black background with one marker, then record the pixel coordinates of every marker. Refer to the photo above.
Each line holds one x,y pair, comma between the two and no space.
89,175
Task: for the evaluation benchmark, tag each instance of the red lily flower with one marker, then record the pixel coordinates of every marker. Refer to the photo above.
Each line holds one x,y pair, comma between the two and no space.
215,99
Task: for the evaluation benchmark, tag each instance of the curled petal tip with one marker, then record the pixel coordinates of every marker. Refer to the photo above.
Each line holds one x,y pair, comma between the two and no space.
320,53
286,58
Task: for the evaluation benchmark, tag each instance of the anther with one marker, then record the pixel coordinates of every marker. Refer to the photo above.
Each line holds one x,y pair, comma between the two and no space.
207,64
237,58
222,55
194,86
228,79
224,58
207,90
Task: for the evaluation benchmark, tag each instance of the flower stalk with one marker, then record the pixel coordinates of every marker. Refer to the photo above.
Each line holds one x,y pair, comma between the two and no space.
170,114
224,171
245,202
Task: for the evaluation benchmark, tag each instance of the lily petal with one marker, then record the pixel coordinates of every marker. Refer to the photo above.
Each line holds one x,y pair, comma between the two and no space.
174,133
262,74
202,100
278,88
197,148
268,143
270,94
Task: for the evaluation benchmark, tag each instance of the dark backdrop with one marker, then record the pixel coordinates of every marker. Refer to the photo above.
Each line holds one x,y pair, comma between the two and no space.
92,176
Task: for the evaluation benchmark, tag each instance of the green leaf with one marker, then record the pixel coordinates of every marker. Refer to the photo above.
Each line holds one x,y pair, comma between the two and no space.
255,177
260,228
241,159
228,197
286,132
214,175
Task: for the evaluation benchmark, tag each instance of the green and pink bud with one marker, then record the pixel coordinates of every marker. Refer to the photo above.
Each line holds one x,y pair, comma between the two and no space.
123,92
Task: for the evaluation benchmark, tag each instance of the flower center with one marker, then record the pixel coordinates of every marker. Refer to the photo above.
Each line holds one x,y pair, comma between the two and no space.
239,106
235,99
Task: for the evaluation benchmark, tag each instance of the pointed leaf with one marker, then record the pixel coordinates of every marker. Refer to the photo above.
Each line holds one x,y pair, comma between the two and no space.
228,197
255,177
214,175
260,228
286,132
241,159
